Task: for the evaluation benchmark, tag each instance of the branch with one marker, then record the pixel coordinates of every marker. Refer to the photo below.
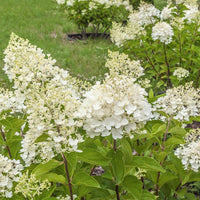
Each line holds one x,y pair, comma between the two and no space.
68,176
4,139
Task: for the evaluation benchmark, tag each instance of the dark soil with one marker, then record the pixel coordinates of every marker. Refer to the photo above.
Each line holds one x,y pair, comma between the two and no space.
78,36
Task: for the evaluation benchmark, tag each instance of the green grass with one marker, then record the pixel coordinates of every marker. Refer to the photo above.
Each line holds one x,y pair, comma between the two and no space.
41,22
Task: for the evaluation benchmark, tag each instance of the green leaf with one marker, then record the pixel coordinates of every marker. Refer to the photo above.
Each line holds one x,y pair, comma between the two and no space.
166,177
174,141
15,197
72,161
83,178
118,167
134,186
178,132
146,195
127,151
15,146
194,177
151,94
42,169
42,138
146,163
181,193
158,130
53,177
100,194
12,123
94,157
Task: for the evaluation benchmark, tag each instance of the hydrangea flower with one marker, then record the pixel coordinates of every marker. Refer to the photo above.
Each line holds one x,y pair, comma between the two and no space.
10,100
120,63
190,155
147,14
162,31
181,102
181,73
29,186
120,34
118,105
10,171
115,107
51,97
166,13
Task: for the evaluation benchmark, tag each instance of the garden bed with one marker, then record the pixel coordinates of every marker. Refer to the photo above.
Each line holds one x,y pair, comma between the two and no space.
78,36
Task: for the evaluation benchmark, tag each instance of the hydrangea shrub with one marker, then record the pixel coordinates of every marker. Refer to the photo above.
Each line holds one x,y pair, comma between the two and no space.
166,41
57,131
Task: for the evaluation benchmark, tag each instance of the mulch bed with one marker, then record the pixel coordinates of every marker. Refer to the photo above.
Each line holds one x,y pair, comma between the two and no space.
78,36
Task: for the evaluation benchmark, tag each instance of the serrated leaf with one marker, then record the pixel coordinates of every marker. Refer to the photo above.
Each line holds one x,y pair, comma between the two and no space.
42,169
174,141
15,146
53,177
72,161
151,94
134,186
94,157
127,150
99,193
146,195
146,163
166,177
83,178
178,132
118,167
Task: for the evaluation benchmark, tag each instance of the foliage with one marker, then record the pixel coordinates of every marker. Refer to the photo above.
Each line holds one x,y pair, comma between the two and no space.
96,14
166,42
136,3
63,129
64,138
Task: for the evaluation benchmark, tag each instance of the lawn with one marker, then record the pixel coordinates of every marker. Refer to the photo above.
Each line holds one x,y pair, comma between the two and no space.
44,25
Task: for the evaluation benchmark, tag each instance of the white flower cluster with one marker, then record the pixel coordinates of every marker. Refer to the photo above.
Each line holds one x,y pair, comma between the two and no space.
10,171
51,98
140,173
120,33
181,73
50,114
115,107
166,13
60,2
29,186
190,155
162,31
146,14
193,135
192,14
10,100
181,102
145,83
120,63
138,20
